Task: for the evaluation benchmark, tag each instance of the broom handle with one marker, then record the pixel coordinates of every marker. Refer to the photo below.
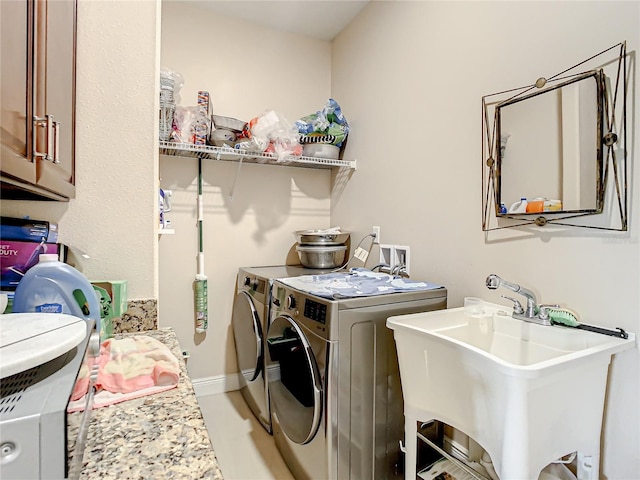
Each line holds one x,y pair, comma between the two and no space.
200,212
620,333
202,320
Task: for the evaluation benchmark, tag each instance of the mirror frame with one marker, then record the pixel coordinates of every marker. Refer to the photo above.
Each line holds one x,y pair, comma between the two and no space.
611,112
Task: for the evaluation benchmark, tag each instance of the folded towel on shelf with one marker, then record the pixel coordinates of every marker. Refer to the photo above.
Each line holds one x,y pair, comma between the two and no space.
129,368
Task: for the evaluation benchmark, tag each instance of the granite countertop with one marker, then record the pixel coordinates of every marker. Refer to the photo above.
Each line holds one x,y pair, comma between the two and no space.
156,436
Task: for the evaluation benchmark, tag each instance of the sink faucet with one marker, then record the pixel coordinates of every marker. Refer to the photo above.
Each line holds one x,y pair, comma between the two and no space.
529,314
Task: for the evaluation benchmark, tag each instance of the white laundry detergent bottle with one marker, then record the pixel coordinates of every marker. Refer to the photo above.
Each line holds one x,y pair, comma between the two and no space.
519,207
51,286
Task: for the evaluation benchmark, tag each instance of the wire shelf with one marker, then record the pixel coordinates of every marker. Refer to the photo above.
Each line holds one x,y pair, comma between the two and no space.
233,155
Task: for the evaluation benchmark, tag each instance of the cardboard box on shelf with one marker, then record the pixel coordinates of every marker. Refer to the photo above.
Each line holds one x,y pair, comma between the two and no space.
117,291
17,257
27,230
113,302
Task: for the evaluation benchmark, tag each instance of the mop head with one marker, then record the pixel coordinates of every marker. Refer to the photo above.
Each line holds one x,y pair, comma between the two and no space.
202,302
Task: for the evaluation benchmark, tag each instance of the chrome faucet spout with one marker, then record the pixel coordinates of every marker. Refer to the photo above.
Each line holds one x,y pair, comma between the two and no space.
494,281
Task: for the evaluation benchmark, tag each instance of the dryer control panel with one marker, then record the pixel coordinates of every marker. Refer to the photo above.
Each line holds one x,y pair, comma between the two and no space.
309,311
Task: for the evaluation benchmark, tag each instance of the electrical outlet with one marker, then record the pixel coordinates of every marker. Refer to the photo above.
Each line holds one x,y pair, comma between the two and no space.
376,231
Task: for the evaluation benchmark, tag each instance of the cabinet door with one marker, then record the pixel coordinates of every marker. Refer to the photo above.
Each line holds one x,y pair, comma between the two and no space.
16,96
55,46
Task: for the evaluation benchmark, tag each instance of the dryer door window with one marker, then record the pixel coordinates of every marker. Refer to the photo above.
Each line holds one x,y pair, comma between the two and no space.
294,380
247,334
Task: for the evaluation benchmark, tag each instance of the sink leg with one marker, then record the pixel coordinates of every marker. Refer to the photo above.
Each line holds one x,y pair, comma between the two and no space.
411,448
588,466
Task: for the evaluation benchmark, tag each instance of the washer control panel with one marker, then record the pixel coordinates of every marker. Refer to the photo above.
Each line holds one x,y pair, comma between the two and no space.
315,311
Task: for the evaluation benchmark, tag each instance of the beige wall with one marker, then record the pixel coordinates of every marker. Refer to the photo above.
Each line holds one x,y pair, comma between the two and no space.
113,215
411,76
246,70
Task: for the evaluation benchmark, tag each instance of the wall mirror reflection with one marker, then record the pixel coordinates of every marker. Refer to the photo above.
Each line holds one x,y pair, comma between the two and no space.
555,151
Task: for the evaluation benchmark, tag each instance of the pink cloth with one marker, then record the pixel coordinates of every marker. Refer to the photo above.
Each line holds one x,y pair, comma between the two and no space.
82,382
129,368
133,363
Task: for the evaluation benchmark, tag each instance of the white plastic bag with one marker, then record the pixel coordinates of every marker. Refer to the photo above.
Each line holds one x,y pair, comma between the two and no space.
185,121
273,133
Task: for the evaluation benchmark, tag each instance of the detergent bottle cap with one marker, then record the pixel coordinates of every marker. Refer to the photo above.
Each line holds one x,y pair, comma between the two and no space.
47,257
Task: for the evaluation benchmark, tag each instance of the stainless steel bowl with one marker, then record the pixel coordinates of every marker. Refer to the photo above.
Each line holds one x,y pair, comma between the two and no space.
321,237
314,256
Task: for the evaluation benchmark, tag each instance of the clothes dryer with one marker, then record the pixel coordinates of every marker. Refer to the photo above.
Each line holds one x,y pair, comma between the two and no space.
249,321
333,380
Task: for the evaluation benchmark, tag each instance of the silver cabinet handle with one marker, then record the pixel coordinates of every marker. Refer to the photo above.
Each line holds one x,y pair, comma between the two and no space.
49,137
38,122
52,140
56,142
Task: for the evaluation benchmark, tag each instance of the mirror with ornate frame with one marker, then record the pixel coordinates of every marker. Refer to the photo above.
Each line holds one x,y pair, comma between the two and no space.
561,145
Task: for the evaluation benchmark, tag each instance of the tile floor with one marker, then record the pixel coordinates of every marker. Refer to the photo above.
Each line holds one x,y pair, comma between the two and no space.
244,449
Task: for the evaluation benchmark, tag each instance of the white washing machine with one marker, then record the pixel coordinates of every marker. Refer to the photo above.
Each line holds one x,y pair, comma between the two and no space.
250,319
334,383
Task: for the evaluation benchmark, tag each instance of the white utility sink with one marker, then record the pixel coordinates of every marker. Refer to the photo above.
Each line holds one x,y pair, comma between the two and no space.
527,393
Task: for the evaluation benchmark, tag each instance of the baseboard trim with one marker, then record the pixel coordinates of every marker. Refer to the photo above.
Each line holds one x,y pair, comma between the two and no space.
227,383
217,384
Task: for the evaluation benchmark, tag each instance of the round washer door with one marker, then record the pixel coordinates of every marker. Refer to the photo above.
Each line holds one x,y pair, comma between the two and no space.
296,393
247,334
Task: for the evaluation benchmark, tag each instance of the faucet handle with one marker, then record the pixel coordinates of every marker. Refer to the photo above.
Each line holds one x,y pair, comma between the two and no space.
517,306
543,314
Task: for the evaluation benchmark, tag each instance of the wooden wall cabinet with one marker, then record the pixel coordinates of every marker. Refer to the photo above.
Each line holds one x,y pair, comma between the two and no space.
37,78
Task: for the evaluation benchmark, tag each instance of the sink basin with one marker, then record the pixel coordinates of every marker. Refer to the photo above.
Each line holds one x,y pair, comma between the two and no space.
529,394
517,347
